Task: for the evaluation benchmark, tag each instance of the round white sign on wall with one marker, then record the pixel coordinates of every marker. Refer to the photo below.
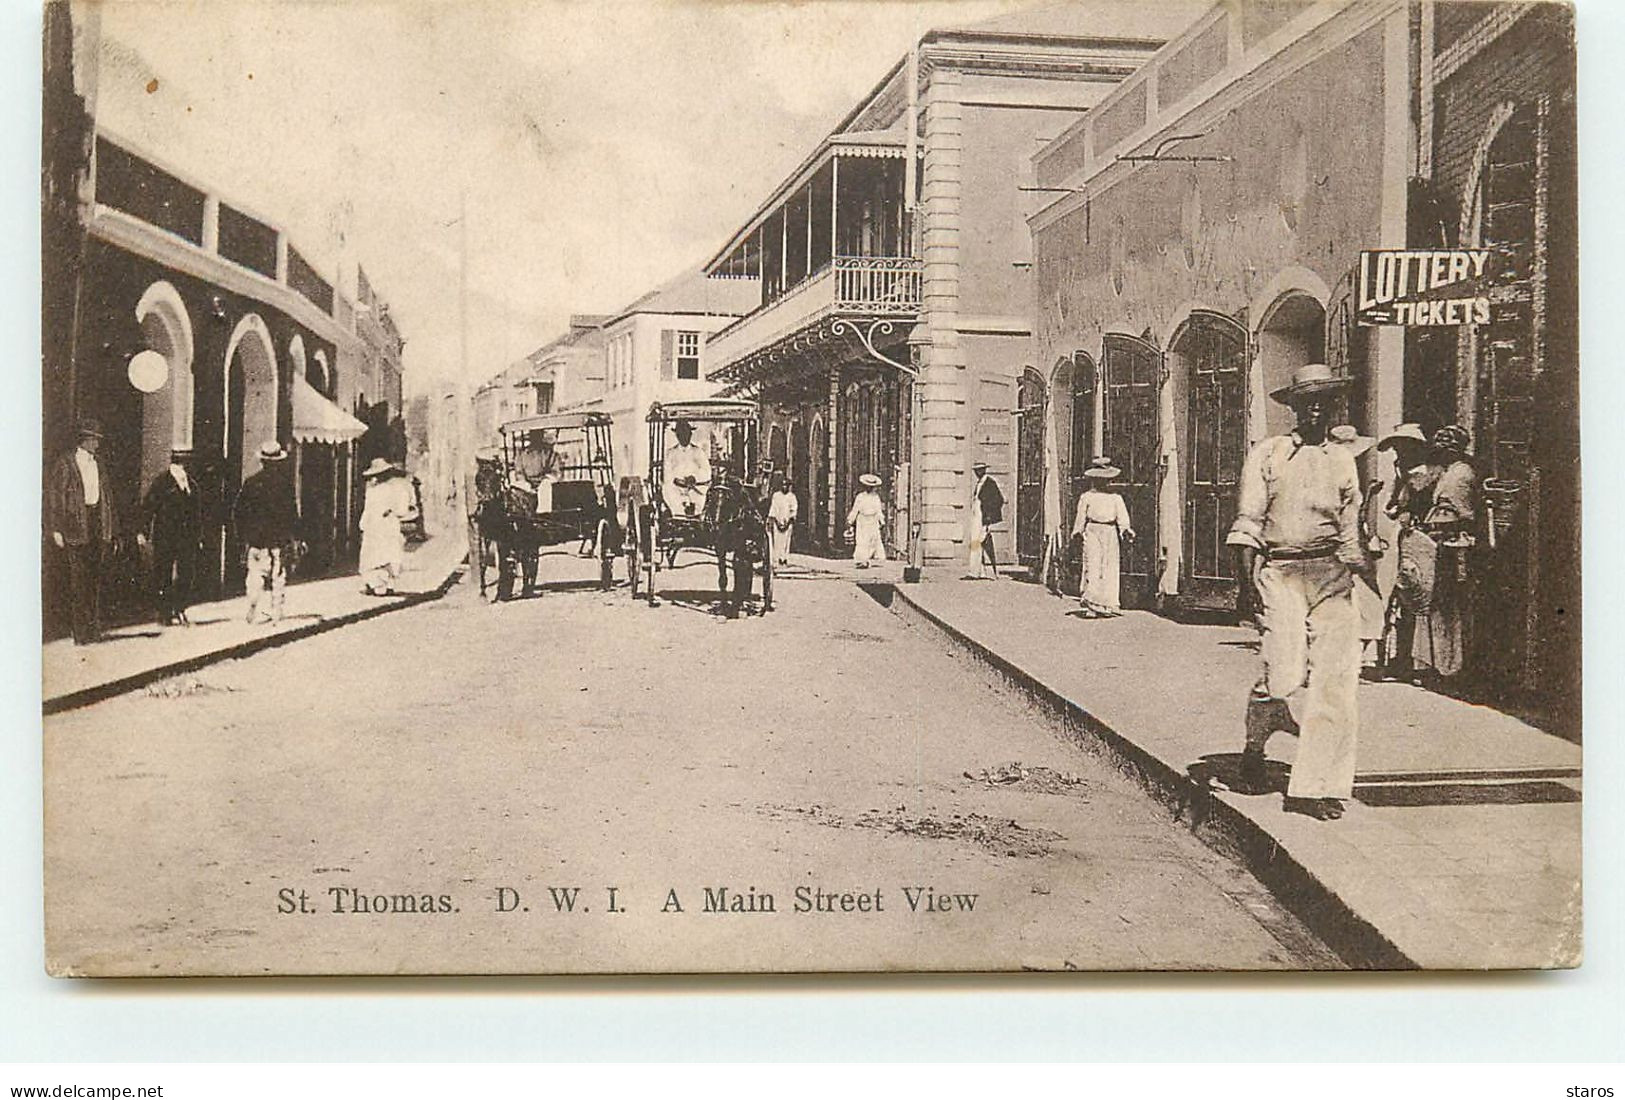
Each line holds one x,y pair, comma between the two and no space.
148,371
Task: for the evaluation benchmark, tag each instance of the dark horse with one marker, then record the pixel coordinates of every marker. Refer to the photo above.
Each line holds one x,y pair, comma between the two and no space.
739,535
504,528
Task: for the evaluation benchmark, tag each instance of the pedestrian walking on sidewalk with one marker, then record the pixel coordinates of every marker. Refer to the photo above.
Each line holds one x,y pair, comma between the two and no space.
1451,523
79,517
171,522
986,509
1297,528
781,514
389,505
1102,525
267,515
1410,500
864,522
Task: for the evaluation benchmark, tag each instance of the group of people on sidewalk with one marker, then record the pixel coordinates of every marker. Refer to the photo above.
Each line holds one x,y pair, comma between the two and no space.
1305,551
1304,547
81,524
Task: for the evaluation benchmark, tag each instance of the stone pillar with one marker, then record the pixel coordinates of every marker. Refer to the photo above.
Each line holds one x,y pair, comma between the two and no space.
1386,349
940,437
832,448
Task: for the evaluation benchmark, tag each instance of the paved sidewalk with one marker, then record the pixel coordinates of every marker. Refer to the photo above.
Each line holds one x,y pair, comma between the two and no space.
131,656
1460,849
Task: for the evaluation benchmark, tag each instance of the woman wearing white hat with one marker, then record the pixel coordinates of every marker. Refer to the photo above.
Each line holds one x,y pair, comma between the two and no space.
1102,522
864,521
383,545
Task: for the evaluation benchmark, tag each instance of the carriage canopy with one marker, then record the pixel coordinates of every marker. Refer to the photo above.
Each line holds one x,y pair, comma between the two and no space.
558,421
713,411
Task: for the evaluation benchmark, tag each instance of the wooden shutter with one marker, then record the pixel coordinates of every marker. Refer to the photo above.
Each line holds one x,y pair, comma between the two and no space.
668,355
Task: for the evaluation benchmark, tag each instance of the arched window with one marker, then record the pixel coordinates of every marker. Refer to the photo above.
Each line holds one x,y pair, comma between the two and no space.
251,394
318,374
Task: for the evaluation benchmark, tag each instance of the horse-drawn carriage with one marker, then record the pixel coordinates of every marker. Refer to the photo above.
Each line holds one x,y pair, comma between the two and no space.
550,482
704,496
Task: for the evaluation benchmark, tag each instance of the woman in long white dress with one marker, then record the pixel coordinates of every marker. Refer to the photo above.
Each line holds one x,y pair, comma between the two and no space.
781,514
864,521
383,545
1102,522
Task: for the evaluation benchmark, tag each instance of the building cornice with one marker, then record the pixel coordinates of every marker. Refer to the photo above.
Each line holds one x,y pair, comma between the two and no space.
1320,30
121,230
967,53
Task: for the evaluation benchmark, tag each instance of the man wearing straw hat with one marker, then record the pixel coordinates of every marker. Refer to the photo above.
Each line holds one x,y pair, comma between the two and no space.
986,509
171,512
1297,528
267,514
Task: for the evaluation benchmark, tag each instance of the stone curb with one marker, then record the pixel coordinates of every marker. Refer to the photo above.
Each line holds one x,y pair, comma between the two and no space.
98,692
1217,822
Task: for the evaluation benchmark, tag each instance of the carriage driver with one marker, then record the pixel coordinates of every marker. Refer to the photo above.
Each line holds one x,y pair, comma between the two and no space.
539,466
688,473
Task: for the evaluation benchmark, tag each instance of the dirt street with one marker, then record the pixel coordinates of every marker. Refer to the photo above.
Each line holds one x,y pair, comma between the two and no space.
840,791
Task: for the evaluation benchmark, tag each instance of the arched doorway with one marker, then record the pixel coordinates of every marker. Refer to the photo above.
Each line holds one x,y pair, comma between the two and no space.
1208,373
1131,373
1080,429
1519,398
817,473
1031,406
1291,332
166,413
778,449
1072,432
251,398
800,476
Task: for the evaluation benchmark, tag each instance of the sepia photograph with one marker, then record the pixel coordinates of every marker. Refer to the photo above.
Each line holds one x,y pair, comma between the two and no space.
668,487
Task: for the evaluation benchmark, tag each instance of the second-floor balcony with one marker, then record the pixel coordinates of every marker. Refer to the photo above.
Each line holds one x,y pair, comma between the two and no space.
846,287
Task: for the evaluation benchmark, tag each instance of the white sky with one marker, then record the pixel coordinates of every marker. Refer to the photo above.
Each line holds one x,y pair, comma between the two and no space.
604,147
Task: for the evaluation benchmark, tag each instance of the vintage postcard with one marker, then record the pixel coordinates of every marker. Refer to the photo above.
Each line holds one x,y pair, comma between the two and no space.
537,487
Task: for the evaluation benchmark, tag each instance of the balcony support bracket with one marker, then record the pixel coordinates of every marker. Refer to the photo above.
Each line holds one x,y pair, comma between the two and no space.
842,327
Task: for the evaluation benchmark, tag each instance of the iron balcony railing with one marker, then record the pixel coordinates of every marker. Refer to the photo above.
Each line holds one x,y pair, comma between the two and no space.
877,284
872,286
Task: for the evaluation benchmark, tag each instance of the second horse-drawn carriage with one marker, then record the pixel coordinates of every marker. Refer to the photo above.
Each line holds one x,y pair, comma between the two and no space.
550,482
703,496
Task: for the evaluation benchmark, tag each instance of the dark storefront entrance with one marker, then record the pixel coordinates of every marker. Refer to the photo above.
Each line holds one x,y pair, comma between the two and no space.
1130,370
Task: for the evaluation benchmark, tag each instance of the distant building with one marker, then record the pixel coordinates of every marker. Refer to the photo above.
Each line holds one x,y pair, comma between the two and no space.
658,349
894,316
507,395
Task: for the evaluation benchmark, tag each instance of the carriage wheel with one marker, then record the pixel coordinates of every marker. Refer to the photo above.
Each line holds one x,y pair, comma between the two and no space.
652,563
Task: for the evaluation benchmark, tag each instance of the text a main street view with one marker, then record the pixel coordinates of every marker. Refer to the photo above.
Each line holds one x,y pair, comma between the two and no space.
549,489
